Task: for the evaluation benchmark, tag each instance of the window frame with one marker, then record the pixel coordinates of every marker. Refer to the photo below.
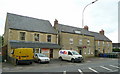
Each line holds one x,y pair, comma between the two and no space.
22,35
36,37
71,40
49,38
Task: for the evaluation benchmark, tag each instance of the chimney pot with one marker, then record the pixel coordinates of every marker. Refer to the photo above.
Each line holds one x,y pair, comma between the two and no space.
86,27
101,32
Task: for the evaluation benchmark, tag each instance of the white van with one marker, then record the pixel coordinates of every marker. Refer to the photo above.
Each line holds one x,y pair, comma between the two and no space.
70,55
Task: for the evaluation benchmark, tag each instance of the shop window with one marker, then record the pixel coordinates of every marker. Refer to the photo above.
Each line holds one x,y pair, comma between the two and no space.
22,35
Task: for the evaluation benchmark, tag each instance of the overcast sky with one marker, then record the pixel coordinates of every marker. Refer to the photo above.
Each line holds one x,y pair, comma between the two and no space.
101,15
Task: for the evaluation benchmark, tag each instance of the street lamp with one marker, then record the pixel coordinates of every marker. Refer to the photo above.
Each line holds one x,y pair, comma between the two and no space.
83,21
84,10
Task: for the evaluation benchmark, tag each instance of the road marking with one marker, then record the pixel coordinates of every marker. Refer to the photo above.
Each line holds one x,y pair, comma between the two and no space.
80,71
106,68
114,66
93,70
64,72
89,61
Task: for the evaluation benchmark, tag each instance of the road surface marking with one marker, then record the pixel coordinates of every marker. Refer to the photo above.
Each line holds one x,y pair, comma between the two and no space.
114,66
80,71
106,68
93,70
64,72
89,61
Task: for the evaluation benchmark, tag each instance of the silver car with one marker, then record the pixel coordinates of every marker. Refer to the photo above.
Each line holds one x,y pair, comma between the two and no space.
39,57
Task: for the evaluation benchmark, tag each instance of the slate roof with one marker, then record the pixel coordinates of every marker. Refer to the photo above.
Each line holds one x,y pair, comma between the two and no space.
99,36
30,24
29,44
71,29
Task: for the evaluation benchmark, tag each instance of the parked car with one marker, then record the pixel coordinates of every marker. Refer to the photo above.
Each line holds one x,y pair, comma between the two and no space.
70,55
39,57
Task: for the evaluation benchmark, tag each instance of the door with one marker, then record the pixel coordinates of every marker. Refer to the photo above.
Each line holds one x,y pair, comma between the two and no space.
51,53
80,50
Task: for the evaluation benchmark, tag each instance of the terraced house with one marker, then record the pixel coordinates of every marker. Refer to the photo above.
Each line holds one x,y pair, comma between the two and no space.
73,38
28,32
102,43
82,40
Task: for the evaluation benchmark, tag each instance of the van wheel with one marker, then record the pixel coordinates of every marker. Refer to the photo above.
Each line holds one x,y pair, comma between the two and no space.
17,62
30,62
61,58
72,60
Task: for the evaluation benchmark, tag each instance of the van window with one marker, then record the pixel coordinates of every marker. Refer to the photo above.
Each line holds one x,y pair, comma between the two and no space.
69,53
12,52
75,53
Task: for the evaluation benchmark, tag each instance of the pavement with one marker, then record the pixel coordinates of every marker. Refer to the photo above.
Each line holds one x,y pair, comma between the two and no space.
55,65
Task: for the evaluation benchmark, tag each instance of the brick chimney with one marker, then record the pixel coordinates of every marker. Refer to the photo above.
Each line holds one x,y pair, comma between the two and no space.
56,24
86,28
101,32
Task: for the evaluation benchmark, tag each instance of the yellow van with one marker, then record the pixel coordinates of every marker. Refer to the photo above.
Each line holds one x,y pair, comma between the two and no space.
22,55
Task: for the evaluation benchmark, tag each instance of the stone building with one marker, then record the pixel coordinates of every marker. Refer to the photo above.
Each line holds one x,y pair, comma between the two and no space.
82,40
28,32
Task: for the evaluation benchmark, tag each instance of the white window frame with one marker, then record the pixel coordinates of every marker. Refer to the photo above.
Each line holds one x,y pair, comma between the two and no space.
89,50
80,41
98,43
71,40
88,42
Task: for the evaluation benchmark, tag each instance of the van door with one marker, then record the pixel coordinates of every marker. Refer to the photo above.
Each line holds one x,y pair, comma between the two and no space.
69,57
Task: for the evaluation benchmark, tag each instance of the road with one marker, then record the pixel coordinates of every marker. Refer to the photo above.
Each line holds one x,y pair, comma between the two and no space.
99,65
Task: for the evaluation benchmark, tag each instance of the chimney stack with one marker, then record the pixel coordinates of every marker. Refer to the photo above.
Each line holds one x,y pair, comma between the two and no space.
101,32
56,24
86,28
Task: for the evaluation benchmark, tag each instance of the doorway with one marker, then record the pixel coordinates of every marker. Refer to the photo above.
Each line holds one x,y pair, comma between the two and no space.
80,50
51,53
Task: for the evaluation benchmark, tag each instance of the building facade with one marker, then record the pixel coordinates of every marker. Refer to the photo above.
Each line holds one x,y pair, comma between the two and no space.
28,32
73,38
82,40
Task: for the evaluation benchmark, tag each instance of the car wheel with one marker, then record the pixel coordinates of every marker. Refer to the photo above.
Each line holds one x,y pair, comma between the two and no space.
72,60
61,58
39,61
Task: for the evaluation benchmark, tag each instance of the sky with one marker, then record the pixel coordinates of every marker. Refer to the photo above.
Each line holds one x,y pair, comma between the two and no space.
103,14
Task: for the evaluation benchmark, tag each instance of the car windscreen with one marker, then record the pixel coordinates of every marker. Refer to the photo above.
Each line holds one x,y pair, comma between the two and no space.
41,55
75,53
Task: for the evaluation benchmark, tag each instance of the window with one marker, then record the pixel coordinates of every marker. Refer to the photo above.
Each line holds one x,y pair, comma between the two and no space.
108,44
49,38
88,50
71,40
88,42
103,42
98,43
22,35
36,37
80,41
